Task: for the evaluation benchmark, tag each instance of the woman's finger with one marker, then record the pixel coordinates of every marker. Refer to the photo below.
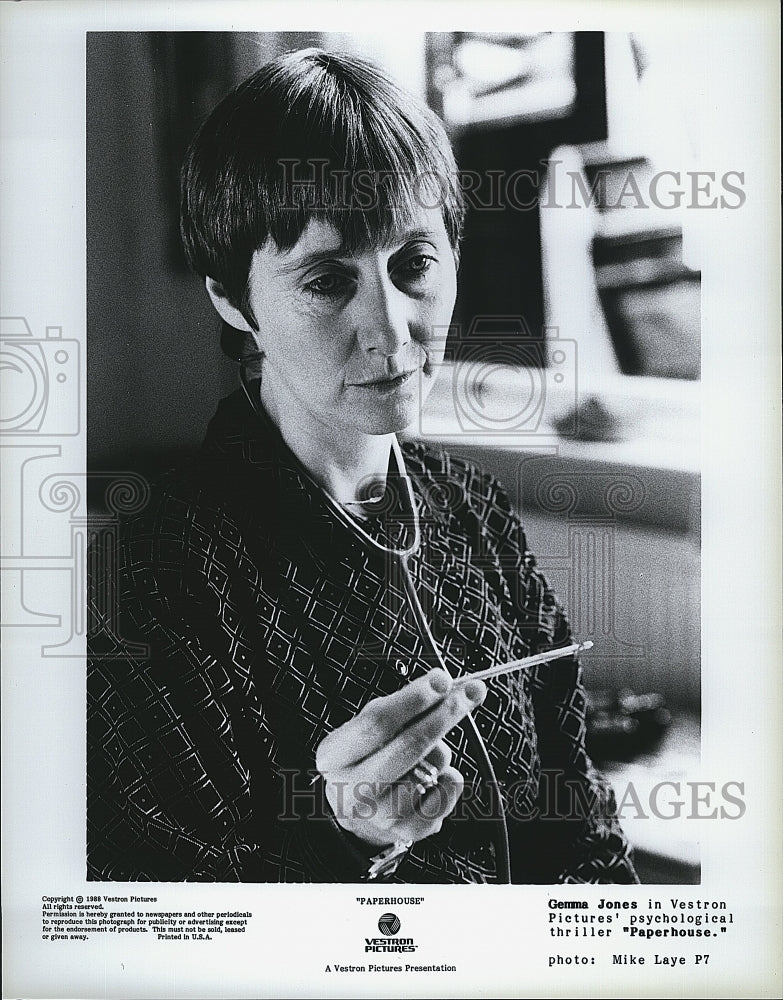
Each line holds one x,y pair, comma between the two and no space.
402,753
438,803
385,804
439,756
427,812
380,721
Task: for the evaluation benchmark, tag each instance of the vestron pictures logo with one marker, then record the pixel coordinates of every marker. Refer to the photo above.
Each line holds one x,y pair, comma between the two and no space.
389,925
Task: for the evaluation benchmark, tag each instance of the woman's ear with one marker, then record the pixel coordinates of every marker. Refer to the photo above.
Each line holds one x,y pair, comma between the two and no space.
227,311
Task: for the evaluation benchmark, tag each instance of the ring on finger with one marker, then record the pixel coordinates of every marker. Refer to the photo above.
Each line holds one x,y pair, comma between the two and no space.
425,775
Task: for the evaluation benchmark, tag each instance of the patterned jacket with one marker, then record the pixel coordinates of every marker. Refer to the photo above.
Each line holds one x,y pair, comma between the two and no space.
269,623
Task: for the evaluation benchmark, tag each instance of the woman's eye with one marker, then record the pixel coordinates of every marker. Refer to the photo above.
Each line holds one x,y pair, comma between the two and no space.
416,266
327,286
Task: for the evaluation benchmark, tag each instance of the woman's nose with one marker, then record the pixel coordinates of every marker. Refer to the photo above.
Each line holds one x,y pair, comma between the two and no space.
384,320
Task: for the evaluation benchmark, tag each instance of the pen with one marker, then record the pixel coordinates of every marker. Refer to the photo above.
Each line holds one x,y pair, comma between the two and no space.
528,661
512,665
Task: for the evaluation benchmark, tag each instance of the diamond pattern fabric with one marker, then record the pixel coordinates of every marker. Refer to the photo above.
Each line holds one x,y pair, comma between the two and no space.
269,623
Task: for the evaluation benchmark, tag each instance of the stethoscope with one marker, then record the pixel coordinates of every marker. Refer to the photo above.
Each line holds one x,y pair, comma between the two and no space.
402,556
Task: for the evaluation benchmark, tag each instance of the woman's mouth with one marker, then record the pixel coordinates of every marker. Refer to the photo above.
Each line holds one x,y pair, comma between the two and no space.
388,383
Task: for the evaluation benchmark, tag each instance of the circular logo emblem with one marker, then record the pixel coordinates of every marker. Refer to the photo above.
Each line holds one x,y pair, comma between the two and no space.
389,924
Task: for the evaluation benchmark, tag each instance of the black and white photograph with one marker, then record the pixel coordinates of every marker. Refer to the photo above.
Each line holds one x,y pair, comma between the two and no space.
393,468
318,601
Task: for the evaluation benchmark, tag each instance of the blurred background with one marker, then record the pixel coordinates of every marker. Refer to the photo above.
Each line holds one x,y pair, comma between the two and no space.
577,327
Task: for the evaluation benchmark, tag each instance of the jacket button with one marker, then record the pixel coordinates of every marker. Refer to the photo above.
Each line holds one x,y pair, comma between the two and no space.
401,667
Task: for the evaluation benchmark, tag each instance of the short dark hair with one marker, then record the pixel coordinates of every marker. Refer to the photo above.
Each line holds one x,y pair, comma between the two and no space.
290,143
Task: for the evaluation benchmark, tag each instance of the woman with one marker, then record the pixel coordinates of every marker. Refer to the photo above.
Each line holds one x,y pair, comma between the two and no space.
308,588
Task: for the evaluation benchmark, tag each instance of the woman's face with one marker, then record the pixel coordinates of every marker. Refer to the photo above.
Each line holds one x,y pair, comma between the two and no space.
352,342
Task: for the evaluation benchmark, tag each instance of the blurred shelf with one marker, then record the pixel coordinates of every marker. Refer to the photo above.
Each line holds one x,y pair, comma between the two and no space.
655,425
484,403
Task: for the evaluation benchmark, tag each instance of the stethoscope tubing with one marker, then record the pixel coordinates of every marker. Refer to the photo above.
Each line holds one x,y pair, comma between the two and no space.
503,856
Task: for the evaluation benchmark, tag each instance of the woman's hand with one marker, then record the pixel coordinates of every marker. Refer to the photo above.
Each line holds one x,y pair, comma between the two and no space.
366,763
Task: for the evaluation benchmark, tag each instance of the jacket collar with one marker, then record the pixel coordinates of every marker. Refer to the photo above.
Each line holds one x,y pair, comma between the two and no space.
246,436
